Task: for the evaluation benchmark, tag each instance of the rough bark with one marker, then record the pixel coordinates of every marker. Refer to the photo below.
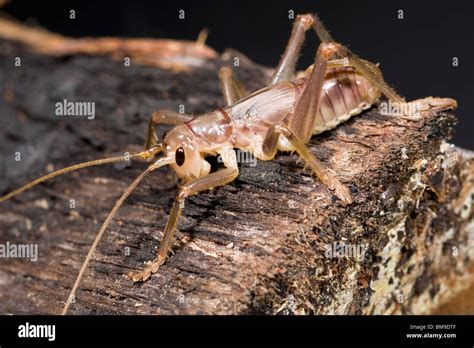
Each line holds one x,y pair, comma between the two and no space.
257,245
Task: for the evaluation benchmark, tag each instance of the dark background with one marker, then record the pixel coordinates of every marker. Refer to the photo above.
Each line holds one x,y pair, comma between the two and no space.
415,53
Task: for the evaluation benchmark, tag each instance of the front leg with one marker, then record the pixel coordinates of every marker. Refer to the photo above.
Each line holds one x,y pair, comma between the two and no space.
218,178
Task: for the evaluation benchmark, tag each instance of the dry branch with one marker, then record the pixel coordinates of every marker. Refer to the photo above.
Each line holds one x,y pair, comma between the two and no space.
258,245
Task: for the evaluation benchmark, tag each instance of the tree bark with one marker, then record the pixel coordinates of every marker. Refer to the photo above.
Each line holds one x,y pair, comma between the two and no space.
258,245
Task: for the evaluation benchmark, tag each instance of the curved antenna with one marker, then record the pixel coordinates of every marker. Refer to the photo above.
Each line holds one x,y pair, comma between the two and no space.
144,155
159,163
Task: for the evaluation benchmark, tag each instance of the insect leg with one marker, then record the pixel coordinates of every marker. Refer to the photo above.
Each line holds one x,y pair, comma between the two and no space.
323,173
321,31
373,74
165,117
366,68
231,89
286,67
301,122
218,178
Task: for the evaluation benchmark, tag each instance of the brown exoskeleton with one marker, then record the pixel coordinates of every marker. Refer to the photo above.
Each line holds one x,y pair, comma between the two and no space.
280,117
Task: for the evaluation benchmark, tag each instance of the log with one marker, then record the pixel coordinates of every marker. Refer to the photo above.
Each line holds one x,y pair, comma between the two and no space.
275,241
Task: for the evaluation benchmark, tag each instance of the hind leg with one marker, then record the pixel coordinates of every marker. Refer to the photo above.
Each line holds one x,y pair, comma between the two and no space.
286,67
298,127
366,68
326,175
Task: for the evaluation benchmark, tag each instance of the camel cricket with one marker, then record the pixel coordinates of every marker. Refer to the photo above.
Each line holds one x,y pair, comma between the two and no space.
280,117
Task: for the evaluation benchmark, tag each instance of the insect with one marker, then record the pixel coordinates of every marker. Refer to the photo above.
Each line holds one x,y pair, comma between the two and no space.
280,117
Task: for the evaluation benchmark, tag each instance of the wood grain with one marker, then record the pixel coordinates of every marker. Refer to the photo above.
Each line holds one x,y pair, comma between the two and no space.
255,246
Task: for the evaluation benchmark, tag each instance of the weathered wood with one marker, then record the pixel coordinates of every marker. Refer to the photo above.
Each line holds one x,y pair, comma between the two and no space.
255,246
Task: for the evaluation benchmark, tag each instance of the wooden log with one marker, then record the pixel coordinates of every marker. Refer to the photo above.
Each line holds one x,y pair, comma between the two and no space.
274,241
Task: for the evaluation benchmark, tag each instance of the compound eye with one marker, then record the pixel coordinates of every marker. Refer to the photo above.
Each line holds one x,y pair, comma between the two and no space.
179,157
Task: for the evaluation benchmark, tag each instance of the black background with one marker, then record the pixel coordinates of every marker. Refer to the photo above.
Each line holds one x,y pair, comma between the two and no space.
247,331
415,53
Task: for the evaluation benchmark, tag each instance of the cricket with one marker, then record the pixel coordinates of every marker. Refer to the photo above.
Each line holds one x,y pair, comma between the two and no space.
283,116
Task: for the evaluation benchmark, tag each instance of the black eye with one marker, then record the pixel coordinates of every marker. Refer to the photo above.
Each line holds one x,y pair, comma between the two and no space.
179,157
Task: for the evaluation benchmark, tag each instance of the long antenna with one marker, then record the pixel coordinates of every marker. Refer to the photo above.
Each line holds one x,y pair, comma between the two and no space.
159,163
144,155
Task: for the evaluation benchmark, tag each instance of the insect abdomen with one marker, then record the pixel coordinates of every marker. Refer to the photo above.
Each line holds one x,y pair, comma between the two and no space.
345,93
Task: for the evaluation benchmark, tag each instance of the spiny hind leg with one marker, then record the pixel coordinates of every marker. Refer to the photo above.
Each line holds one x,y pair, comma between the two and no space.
369,70
218,178
285,69
373,74
366,68
321,31
326,175
165,117
231,89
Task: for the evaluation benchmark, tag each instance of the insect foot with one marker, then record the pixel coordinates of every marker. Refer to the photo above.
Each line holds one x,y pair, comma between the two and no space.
144,275
344,194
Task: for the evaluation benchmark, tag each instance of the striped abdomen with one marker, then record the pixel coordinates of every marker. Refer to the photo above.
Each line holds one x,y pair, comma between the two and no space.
345,93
